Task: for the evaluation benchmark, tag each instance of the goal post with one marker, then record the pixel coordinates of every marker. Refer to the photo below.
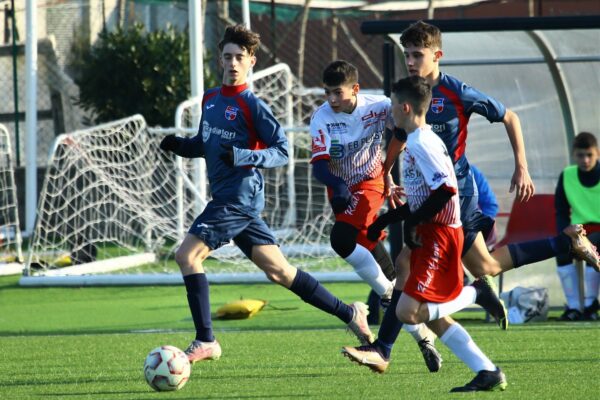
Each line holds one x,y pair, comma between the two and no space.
11,257
111,198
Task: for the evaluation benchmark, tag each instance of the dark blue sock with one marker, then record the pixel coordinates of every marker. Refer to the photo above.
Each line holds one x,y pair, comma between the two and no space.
312,292
538,250
390,327
196,286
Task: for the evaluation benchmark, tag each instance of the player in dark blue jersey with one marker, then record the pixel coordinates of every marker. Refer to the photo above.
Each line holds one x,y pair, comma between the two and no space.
237,135
453,102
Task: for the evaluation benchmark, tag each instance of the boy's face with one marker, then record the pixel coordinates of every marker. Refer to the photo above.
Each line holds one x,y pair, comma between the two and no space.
235,62
400,112
586,159
342,98
422,61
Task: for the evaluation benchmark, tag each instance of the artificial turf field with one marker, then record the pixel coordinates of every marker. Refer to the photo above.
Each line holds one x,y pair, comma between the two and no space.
90,343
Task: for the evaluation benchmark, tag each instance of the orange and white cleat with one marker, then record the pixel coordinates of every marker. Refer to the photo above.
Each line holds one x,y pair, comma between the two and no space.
581,246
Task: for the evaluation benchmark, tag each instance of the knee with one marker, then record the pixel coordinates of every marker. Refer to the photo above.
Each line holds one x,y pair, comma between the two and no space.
407,316
343,238
281,275
184,258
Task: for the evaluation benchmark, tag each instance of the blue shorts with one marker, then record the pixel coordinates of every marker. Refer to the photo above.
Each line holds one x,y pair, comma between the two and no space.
474,221
219,223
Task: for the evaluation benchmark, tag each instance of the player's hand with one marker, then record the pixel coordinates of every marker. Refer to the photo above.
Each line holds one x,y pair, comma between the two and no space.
523,183
392,192
227,155
169,143
340,199
411,238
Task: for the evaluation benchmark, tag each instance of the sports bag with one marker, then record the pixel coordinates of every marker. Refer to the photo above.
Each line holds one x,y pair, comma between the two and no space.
526,304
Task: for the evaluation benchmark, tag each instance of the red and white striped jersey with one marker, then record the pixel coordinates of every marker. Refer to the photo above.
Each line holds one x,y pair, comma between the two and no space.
426,166
352,142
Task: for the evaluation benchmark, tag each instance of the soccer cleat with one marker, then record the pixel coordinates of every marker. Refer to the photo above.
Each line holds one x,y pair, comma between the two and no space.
367,356
484,381
359,325
433,359
570,315
198,351
489,300
590,313
582,247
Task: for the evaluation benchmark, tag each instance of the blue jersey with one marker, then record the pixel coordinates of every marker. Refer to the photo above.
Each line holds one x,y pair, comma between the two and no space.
234,116
452,104
487,199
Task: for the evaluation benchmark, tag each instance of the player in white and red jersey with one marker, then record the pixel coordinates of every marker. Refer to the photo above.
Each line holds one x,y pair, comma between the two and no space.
434,288
347,132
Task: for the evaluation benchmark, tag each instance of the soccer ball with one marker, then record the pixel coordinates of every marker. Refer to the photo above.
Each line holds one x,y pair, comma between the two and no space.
166,368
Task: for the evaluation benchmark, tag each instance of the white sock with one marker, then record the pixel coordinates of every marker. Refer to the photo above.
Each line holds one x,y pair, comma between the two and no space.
570,284
367,268
419,332
460,343
592,284
465,298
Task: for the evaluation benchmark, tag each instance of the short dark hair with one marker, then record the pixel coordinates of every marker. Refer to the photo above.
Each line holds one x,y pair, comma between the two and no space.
242,36
585,140
340,72
414,90
422,34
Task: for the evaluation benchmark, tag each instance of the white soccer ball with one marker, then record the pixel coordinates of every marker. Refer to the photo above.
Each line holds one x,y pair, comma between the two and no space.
166,369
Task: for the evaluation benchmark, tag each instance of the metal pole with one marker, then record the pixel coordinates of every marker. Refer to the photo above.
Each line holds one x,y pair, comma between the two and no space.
31,115
196,56
197,88
15,83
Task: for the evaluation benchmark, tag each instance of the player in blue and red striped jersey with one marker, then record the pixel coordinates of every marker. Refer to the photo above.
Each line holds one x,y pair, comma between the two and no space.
237,135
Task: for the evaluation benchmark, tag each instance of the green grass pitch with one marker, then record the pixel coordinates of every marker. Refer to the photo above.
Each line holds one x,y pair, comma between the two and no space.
90,343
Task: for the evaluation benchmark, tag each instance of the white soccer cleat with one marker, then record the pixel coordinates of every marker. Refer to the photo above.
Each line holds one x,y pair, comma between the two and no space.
198,351
367,356
359,325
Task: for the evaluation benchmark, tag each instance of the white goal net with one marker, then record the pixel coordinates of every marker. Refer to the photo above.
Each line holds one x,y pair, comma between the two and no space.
111,199
11,257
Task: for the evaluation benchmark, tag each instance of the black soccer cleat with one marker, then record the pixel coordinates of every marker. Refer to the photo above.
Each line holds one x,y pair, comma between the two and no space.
489,300
571,315
590,313
484,381
432,357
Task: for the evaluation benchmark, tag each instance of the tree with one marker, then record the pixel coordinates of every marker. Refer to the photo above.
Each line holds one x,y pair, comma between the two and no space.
131,71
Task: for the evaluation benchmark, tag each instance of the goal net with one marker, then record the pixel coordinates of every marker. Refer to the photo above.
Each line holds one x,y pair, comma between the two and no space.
112,200
11,257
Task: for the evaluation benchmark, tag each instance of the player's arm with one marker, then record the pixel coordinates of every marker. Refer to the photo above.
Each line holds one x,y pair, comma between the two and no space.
272,135
520,179
341,194
433,205
494,111
561,205
184,147
320,145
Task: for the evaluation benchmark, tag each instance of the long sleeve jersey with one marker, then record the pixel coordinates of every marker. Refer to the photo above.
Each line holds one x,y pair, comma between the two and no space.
234,116
452,104
352,142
